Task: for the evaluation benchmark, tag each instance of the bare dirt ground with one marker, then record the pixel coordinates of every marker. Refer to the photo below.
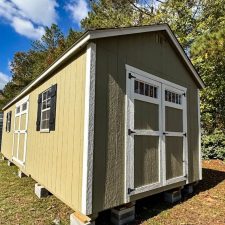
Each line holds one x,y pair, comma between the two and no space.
19,205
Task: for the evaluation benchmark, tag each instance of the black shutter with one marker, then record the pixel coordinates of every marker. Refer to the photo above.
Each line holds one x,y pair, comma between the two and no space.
10,118
38,122
53,107
6,122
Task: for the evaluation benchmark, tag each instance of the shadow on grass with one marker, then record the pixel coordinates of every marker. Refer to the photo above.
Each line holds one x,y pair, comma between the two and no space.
149,207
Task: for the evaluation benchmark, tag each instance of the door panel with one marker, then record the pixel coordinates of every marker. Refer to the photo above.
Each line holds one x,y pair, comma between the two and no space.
174,119
23,121
174,157
175,133
146,115
15,145
21,147
146,158
17,123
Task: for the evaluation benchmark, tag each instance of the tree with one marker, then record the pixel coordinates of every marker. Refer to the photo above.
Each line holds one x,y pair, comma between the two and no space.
26,66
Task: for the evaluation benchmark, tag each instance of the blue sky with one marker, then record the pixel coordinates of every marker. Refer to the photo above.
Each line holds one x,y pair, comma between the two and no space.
22,21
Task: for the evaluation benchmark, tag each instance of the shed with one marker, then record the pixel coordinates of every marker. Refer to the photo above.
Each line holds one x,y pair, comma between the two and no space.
114,119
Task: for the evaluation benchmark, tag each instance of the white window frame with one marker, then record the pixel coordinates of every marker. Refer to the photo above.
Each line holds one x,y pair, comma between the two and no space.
129,161
43,110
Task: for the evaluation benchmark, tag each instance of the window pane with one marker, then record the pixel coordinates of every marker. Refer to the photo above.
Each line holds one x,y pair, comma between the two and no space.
24,106
45,115
48,103
136,86
49,94
44,105
45,124
147,90
173,97
18,109
141,88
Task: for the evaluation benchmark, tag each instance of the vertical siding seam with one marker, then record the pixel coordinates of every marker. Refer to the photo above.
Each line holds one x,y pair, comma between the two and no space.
74,123
89,129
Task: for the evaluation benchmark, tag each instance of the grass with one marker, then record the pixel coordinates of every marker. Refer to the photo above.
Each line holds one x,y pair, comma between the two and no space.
19,205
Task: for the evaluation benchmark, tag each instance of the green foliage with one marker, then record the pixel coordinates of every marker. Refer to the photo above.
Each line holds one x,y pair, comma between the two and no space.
213,145
26,66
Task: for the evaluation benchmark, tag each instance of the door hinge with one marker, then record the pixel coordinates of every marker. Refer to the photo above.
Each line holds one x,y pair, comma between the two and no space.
131,132
130,190
131,76
185,134
184,94
164,133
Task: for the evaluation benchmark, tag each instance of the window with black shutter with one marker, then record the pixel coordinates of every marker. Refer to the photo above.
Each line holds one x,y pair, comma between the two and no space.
8,121
46,110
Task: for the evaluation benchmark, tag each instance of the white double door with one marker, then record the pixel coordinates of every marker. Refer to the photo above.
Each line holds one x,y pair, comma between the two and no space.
20,131
156,140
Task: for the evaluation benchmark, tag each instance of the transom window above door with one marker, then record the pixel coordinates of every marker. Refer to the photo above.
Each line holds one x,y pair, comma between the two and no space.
146,89
173,97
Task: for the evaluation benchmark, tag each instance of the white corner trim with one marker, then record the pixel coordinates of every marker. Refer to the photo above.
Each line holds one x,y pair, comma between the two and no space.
89,129
54,65
199,137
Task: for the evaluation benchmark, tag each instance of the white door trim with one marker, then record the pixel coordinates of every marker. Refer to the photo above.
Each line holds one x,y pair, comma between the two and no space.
183,107
129,139
129,145
19,131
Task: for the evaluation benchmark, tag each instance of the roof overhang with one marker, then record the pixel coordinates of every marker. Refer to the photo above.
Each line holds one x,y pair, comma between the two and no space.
103,33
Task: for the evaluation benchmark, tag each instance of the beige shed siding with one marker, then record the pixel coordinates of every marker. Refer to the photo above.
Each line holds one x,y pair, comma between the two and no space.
154,54
55,159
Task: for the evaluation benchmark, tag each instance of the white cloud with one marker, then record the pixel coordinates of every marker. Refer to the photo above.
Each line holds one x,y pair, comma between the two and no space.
39,11
78,9
26,28
28,17
4,79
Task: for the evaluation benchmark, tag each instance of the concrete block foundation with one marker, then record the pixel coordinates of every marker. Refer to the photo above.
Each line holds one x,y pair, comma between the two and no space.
78,219
21,174
4,158
123,215
172,196
188,189
9,163
41,191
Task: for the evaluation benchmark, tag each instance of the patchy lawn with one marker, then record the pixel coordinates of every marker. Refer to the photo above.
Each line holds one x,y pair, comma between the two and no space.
206,206
19,205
